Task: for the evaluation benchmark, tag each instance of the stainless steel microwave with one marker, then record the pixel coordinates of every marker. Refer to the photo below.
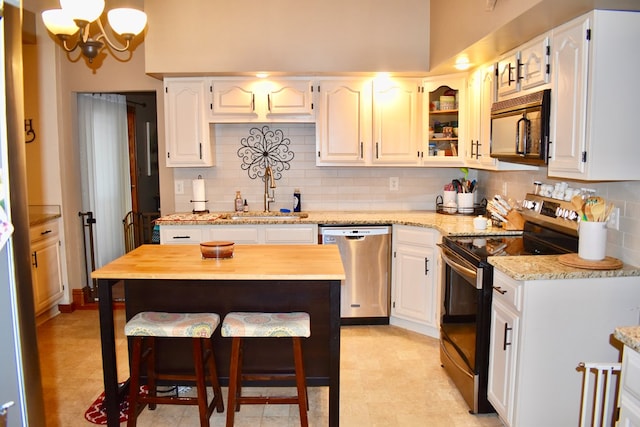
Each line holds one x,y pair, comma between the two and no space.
520,128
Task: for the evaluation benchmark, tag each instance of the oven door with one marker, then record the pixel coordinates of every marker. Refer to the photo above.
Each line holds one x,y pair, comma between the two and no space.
461,324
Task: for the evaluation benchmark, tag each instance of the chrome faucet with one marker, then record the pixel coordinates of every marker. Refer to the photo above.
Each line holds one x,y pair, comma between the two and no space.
269,182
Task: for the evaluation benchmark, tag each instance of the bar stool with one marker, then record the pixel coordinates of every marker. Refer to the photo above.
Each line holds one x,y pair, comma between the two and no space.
144,328
239,326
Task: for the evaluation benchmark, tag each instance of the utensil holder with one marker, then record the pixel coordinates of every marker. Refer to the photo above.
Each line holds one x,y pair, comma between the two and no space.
465,202
592,240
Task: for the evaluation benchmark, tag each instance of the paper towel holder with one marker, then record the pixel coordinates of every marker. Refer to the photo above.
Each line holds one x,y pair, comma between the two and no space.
199,201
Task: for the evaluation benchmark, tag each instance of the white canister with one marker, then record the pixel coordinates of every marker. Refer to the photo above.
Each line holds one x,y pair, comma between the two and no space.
592,240
480,223
449,196
465,202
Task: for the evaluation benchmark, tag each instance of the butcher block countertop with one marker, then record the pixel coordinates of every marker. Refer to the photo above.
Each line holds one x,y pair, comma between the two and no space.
249,262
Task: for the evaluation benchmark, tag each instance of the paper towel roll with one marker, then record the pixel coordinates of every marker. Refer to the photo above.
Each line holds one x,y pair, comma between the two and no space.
198,195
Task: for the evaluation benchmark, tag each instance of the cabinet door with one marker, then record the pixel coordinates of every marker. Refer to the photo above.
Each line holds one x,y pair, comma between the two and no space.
569,98
534,63
447,124
291,234
187,130
414,285
45,268
396,122
508,75
343,130
481,97
243,234
502,358
233,97
292,97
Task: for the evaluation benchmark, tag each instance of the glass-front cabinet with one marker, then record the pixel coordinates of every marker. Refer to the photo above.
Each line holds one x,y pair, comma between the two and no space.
444,121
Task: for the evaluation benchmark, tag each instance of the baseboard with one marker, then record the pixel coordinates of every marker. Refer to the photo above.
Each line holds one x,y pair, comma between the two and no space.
67,308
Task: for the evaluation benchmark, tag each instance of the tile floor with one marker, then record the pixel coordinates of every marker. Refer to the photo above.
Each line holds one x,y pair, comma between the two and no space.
389,377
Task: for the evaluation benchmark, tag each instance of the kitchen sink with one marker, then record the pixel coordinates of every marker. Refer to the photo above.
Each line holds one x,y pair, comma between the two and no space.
264,216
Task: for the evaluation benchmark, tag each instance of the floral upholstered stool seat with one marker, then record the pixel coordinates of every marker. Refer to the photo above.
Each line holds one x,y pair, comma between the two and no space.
242,325
144,328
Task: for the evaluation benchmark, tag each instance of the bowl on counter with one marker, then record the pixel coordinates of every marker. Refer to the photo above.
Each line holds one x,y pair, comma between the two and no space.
216,249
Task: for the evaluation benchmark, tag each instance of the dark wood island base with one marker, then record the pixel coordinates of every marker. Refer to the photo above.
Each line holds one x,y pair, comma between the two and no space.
273,289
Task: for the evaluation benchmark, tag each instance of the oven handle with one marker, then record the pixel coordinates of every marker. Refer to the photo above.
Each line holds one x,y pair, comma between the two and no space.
460,265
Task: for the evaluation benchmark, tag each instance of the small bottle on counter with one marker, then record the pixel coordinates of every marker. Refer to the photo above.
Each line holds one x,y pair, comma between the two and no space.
296,200
245,208
238,202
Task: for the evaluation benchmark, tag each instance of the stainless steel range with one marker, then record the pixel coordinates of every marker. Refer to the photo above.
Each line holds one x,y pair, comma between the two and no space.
550,228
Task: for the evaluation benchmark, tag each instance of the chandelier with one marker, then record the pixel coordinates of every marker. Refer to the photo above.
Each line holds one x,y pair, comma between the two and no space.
78,15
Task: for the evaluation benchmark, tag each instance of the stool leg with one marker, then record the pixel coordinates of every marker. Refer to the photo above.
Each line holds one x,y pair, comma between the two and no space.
200,384
234,380
151,370
301,383
134,381
213,375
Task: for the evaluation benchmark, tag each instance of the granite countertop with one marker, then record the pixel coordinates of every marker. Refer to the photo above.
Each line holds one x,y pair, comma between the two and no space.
458,225
547,267
39,214
629,336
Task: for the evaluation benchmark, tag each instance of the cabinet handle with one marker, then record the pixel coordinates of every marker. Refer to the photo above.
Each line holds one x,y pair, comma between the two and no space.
505,343
426,266
35,259
511,79
519,74
181,237
499,289
472,144
478,144
377,150
253,102
45,232
200,150
361,149
269,102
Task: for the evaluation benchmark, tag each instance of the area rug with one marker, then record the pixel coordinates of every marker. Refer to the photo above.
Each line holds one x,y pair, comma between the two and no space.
97,415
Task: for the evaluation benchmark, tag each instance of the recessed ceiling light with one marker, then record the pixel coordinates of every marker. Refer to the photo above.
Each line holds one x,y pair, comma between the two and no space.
462,63
262,75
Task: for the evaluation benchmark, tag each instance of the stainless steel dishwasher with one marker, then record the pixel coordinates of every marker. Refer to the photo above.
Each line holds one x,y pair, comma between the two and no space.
366,255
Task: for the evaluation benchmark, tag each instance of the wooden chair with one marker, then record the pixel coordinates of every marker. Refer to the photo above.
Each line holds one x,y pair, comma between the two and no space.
145,328
241,326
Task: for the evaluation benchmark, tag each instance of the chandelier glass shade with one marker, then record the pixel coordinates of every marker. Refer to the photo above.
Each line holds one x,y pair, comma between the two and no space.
77,16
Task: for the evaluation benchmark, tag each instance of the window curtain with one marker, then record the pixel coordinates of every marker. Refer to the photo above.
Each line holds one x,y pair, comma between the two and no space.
106,184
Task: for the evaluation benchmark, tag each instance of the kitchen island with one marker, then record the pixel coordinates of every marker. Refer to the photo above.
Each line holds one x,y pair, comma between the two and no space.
257,278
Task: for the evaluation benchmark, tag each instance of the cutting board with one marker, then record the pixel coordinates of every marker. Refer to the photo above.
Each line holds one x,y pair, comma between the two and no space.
573,260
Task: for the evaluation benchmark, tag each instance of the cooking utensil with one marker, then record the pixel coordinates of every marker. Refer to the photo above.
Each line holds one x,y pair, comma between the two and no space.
578,205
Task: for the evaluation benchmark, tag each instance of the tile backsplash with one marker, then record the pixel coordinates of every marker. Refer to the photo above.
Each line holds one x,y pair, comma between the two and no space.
368,188
321,187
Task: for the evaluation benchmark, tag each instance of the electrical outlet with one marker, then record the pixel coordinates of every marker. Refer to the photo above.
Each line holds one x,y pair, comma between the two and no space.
394,183
614,219
179,187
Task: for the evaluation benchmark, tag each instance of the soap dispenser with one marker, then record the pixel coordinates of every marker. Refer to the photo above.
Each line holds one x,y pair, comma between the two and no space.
238,202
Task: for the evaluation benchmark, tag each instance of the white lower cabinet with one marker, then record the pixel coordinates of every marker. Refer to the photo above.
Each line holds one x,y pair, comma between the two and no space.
540,331
629,396
45,265
415,293
273,234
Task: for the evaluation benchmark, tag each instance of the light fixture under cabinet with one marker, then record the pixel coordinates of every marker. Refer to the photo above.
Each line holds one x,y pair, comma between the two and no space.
78,15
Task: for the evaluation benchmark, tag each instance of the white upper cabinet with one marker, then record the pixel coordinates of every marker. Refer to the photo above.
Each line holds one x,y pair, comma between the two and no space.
343,129
594,98
249,100
396,122
444,120
524,68
186,127
477,145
